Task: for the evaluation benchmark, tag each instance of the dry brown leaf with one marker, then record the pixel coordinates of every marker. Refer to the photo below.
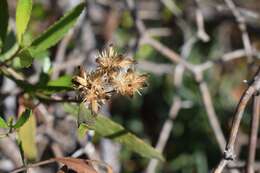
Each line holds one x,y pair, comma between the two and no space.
83,166
78,165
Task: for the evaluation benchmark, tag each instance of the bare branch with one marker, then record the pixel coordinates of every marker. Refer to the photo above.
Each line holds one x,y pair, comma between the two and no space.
229,154
165,133
197,72
168,53
201,33
253,136
242,26
212,115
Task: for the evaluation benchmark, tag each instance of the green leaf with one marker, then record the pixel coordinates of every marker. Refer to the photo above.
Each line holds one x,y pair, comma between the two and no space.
54,86
4,16
23,118
54,33
82,130
27,135
110,129
23,13
114,131
3,124
9,51
24,59
36,89
64,81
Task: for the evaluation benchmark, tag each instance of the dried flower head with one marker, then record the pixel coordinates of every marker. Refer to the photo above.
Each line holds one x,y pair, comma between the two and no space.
109,61
91,88
129,83
114,75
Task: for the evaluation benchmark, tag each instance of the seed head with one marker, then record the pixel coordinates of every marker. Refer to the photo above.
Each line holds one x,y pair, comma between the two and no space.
109,61
129,83
114,75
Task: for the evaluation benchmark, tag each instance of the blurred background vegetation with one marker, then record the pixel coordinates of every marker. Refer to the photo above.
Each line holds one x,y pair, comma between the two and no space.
192,145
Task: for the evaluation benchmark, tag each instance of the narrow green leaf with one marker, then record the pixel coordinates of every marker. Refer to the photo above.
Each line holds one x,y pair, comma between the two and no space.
9,51
27,135
23,13
3,124
4,16
23,118
54,86
110,129
85,116
38,88
82,130
54,33
114,131
64,81
23,60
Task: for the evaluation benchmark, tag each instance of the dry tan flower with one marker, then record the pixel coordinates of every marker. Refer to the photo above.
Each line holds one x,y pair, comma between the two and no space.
122,62
113,75
91,89
129,83
80,81
109,61
95,99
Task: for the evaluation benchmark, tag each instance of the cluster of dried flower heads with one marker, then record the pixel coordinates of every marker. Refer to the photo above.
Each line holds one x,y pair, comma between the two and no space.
114,75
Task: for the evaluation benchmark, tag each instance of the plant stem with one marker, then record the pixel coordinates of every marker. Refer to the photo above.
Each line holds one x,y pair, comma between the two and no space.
253,136
229,154
45,162
11,57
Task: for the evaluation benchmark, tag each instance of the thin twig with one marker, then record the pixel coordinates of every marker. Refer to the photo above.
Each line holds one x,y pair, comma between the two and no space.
201,33
159,32
168,53
165,133
197,72
229,154
45,162
212,117
253,136
176,105
155,68
229,56
242,26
